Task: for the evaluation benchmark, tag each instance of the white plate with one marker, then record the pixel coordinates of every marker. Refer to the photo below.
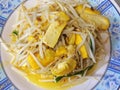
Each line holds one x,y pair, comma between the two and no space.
10,80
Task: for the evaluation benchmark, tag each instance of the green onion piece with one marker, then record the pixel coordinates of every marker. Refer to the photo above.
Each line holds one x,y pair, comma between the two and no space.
57,79
15,32
91,46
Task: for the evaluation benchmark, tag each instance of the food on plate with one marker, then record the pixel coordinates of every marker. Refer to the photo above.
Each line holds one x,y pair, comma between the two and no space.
56,41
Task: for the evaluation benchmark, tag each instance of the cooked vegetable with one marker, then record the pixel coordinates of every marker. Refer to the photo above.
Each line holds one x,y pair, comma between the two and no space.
64,67
87,10
92,42
15,32
94,17
54,31
77,73
49,57
32,62
71,39
61,51
83,50
57,39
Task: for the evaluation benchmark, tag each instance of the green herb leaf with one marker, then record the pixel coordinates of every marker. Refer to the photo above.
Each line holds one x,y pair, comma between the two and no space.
91,46
83,71
57,79
15,32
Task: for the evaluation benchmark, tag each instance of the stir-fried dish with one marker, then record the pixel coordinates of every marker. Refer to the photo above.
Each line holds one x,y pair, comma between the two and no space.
57,39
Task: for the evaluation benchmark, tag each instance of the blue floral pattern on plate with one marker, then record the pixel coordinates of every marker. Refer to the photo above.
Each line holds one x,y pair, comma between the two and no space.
111,79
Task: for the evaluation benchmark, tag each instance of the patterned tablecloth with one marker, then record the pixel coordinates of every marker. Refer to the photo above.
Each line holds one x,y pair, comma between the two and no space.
111,79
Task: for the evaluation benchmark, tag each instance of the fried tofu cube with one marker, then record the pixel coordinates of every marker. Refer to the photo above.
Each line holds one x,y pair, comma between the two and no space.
71,39
54,31
94,17
64,68
86,10
32,62
61,51
83,50
49,57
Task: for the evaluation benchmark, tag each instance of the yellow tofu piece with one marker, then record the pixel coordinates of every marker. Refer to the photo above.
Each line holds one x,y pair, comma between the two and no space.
83,50
86,10
94,17
71,39
49,57
64,68
32,62
61,51
54,31
62,16
78,39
